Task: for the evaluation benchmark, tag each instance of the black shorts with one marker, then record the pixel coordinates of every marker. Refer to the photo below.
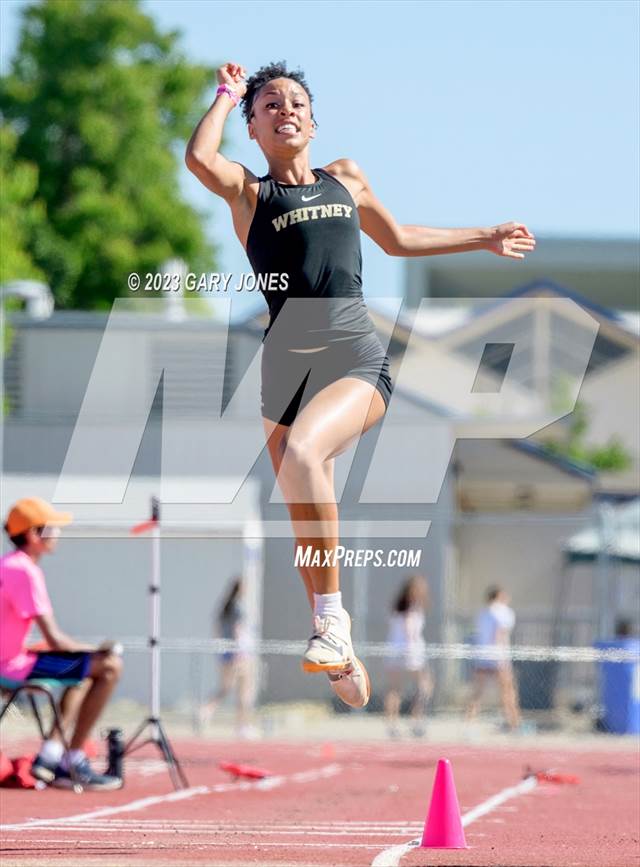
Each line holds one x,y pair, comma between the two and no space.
61,665
290,379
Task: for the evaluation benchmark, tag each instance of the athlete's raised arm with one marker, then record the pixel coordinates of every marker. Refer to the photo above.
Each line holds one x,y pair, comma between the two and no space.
508,239
220,175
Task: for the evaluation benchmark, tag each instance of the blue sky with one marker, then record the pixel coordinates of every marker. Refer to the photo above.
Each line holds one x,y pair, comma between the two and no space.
460,113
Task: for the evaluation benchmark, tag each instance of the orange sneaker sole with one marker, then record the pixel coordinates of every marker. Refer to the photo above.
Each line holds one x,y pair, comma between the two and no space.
315,667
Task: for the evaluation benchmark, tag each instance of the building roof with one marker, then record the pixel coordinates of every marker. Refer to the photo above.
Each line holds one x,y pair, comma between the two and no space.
536,450
444,317
525,446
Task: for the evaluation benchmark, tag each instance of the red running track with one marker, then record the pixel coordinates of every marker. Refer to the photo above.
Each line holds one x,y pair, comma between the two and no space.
333,805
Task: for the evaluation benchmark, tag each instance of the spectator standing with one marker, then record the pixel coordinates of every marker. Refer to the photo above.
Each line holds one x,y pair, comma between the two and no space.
237,667
408,659
494,625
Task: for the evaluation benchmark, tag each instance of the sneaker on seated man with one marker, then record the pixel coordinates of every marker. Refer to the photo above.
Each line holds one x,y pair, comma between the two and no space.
33,526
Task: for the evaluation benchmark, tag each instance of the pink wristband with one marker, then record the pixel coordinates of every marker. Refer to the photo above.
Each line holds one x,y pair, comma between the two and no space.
224,88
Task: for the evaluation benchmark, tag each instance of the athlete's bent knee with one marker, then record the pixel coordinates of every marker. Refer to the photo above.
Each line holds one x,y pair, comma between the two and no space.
300,453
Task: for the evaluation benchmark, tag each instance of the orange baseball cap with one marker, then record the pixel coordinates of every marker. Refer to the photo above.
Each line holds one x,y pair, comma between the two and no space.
34,512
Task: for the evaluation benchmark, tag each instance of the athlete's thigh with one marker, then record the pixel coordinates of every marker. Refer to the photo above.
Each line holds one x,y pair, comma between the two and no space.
338,415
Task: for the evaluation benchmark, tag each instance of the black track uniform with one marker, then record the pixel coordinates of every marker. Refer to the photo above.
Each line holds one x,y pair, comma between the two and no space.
306,237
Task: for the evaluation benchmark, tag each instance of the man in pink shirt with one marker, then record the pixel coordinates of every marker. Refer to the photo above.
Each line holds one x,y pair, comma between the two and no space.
33,526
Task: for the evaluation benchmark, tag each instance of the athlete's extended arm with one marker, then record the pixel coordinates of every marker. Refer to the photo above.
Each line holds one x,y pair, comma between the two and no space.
508,239
220,175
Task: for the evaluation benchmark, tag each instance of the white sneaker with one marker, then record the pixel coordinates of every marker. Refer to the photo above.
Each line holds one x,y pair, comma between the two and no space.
329,648
352,686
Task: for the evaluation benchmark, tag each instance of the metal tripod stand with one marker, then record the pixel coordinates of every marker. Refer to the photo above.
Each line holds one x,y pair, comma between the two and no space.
152,725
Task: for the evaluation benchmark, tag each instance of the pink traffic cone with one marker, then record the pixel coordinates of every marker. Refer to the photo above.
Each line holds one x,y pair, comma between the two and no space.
443,828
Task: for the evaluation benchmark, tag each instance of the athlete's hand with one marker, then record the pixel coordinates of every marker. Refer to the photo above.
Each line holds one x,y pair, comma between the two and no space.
233,75
512,240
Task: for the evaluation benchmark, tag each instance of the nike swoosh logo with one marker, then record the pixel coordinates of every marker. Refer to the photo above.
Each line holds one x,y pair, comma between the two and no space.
308,198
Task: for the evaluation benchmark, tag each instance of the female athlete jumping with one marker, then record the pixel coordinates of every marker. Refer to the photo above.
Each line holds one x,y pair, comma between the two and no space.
325,376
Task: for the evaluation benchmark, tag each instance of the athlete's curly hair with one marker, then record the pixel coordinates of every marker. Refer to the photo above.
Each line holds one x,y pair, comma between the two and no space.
266,74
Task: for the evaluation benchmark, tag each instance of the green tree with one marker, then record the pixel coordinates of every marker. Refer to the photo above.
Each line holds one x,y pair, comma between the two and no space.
102,103
21,215
612,456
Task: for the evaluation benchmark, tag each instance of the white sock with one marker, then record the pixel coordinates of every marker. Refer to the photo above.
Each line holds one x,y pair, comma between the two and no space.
327,604
51,752
74,757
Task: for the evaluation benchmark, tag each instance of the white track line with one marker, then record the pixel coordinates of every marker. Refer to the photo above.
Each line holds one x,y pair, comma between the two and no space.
135,824
300,832
101,845
182,795
391,857
206,827
247,825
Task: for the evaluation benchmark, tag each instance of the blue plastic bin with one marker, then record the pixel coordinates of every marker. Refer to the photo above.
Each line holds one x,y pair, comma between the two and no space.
620,688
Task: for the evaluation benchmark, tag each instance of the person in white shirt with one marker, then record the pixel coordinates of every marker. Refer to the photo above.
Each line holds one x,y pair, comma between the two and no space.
494,626
409,654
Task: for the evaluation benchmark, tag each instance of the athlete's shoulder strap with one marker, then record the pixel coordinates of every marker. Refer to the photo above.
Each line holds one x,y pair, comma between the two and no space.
266,187
332,179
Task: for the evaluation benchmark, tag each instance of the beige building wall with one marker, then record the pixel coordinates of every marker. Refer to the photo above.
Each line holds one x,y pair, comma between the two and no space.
524,557
613,399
